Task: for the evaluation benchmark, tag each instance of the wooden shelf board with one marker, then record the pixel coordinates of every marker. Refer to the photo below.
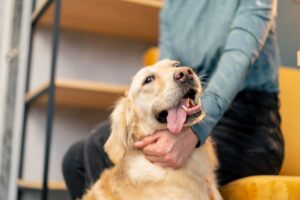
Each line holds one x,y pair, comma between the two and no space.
134,19
81,94
36,185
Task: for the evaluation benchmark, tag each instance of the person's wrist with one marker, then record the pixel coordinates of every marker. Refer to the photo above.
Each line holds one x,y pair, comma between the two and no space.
193,137
198,144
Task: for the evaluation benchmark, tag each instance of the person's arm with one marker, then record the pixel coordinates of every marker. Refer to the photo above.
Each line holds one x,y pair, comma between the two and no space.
246,38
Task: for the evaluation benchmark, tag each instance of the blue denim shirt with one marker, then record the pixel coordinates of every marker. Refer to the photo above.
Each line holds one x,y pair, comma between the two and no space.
230,43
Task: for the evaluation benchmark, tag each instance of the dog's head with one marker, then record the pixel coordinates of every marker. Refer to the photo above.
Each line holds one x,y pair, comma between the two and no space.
163,96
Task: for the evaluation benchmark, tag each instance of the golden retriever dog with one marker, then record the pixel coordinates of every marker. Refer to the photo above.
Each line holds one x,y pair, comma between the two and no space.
162,96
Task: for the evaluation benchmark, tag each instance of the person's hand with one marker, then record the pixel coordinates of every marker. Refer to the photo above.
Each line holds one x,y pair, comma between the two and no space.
168,149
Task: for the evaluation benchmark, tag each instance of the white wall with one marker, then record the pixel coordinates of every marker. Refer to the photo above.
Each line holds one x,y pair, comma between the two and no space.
87,57
1,72
1,24
288,27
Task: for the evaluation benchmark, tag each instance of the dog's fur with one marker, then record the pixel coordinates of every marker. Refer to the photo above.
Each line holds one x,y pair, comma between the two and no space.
134,177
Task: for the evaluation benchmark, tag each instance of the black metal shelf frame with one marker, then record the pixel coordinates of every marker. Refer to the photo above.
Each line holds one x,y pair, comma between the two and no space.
50,91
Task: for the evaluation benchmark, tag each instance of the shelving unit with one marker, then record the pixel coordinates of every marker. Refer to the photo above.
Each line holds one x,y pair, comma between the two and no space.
130,19
79,94
134,19
35,185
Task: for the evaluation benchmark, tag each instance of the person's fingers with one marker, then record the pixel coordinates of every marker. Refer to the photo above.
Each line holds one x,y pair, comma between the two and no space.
153,159
146,141
154,150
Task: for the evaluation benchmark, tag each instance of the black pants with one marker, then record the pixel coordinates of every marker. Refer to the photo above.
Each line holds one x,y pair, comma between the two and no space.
248,142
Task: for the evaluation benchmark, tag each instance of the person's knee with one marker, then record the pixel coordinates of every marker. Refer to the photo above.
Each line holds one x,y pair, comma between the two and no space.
99,134
71,159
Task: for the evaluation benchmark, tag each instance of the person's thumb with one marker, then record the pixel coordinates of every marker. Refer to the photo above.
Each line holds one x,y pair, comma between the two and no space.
146,141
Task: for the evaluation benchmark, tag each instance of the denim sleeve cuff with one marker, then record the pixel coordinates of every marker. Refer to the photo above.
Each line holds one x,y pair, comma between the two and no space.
201,132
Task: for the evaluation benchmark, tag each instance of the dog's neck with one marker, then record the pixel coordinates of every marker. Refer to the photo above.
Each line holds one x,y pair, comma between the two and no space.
140,170
135,159
148,172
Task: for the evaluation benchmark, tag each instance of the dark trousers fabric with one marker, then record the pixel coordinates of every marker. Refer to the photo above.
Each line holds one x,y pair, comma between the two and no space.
248,142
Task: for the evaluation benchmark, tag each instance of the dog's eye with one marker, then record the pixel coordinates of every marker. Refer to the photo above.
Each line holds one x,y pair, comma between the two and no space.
175,63
148,79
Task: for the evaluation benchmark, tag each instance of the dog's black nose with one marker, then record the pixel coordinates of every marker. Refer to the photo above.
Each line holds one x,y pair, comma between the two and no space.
183,74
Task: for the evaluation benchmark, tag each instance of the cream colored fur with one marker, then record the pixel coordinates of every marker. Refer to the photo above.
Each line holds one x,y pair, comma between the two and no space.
135,178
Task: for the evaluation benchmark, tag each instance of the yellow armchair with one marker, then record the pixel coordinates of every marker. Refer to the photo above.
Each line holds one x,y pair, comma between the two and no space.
286,186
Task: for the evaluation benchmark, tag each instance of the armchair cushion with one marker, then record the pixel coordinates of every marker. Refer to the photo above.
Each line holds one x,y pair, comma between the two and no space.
263,187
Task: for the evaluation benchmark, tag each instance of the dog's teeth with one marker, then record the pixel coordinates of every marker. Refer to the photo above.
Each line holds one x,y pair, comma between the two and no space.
196,100
184,108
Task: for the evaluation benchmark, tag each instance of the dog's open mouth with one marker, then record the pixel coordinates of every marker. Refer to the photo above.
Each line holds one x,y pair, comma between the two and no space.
187,110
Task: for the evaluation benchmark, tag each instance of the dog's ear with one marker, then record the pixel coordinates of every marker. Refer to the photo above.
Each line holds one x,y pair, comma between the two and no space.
120,135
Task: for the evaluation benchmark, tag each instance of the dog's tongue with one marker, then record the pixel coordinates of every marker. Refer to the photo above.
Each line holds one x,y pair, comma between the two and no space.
177,116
